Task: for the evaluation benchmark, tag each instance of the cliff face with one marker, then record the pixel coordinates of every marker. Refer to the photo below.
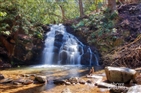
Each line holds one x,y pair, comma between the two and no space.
25,50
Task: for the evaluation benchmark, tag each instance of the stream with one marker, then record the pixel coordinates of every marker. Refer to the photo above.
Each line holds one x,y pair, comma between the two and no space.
52,72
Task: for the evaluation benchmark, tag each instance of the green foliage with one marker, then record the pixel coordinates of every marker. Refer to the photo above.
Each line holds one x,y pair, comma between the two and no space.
2,14
19,15
23,15
103,28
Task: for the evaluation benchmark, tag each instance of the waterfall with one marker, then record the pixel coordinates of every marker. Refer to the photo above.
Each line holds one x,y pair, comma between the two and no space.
62,47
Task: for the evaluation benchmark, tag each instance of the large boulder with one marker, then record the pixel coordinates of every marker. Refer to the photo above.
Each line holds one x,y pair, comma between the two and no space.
119,74
135,89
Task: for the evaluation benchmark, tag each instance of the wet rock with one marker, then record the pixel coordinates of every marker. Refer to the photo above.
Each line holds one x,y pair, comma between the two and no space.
6,80
41,79
58,81
27,82
82,81
135,89
18,81
90,81
74,80
63,56
28,56
1,77
6,65
66,90
119,74
85,58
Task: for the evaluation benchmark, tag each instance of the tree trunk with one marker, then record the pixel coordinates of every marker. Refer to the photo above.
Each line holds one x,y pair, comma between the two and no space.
81,8
112,5
63,13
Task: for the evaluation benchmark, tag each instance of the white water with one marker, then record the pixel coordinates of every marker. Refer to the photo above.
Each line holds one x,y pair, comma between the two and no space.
70,50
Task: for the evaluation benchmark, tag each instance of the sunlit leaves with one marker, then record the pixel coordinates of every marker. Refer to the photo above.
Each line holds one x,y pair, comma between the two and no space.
3,14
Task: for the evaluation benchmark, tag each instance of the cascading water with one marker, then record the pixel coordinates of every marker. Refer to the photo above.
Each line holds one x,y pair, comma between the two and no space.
62,47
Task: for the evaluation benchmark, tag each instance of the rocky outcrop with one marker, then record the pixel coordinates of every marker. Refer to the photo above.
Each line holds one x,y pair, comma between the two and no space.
119,74
23,50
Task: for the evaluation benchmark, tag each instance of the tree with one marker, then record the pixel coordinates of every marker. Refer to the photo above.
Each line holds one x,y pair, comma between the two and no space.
81,8
112,5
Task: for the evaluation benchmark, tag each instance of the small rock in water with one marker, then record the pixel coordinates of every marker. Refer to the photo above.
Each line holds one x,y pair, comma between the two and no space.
27,82
66,90
81,81
67,83
119,74
59,81
41,79
135,89
1,77
89,81
74,80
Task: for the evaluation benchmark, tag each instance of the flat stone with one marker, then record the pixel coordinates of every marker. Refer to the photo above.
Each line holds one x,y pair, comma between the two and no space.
6,80
119,74
22,81
135,89
16,83
27,82
41,79
105,85
94,76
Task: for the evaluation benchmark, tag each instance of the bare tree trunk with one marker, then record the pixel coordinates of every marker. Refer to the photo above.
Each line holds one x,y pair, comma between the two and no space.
81,8
63,13
112,5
